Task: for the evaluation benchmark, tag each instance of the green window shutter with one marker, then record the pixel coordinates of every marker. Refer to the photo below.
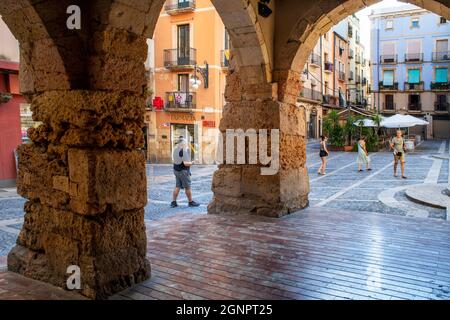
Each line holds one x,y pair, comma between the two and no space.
413,76
441,74
388,78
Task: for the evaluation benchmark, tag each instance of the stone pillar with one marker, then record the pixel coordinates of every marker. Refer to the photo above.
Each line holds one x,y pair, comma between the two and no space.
241,188
84,175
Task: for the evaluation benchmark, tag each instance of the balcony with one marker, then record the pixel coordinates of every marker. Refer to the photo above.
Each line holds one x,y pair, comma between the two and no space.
358,59
180,101
174,7
413,57
314,60
441,106
328,67
389,106
388,87
341,76
414,86
441,56
180,58
351,54
388,58
415,106
358,79
311,94
351,77
330,100
225,58
439,86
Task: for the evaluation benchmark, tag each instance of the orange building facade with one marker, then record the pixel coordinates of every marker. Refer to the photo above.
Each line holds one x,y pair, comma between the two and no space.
188,59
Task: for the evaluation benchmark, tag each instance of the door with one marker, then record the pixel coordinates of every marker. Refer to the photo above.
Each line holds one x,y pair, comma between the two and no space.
184,45
187,132
183,4
441,127
442,50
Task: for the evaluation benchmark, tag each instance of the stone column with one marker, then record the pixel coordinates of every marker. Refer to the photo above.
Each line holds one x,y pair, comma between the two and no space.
84,175
241,188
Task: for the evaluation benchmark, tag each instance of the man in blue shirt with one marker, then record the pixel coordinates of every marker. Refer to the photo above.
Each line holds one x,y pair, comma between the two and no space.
181,169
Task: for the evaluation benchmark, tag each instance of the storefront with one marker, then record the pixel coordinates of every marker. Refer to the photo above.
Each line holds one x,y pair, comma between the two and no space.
163,129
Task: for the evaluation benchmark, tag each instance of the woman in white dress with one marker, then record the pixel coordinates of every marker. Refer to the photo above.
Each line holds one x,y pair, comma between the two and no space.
363,155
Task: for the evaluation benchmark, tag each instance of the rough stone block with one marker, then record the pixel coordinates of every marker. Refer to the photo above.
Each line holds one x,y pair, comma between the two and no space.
110,248
107,178
35,178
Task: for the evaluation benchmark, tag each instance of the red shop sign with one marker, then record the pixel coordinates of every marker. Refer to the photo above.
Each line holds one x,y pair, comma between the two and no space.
209,124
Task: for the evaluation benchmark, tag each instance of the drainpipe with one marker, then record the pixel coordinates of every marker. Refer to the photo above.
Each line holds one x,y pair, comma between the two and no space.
378,63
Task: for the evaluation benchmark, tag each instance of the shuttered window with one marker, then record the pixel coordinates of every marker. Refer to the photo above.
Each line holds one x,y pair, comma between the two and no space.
413,76
441,74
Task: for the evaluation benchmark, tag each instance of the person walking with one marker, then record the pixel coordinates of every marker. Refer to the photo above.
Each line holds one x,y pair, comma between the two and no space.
398,145
363,155
181,169
323,153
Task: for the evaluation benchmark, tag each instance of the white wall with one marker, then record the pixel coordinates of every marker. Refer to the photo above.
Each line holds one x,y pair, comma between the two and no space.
9,46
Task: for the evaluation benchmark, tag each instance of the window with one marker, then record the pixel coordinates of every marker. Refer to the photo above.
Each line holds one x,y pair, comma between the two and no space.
389,24
415,23
389,102
183,43
441,75
183,82
388,77
442,20
414,76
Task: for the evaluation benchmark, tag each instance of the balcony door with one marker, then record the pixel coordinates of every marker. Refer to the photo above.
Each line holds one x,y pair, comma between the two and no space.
183,4
184,44
442,50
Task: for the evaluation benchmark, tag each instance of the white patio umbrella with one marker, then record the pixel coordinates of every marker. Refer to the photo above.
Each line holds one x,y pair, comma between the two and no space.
365,123
402,121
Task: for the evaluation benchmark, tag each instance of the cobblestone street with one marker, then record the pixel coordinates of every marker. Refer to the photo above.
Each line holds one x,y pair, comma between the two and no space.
342,188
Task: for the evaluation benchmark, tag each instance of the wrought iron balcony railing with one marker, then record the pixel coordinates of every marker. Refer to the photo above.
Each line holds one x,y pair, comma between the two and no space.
388,58
180,58
383,86
180,100
311,94
441,56
413,57
328,66
314,59
415,106
414,86
173,7
440,86
441,106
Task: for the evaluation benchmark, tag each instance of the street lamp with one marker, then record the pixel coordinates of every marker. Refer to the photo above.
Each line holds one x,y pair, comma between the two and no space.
195,81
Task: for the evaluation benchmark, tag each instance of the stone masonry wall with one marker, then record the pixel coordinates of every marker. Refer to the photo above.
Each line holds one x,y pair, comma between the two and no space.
84,174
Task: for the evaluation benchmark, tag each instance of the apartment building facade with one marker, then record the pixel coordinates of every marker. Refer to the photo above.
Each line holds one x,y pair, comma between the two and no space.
187,66
336,75
411,62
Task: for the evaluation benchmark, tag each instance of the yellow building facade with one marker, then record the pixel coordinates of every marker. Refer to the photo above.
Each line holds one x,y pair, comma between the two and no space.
190,52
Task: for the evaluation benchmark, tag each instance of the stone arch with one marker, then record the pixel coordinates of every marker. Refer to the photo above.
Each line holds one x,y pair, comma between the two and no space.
303,25
84,175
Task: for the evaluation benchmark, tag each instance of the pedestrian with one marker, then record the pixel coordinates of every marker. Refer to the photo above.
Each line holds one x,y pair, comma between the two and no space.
323,153
181,169
363,155
398,145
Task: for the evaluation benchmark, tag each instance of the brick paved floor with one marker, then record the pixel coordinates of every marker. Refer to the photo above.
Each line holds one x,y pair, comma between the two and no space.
342,189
